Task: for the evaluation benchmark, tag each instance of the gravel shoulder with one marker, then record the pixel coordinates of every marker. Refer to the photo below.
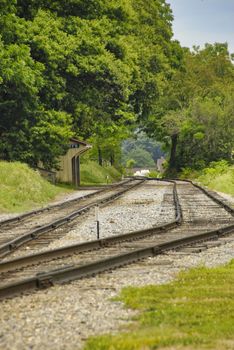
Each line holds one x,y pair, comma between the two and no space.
64,316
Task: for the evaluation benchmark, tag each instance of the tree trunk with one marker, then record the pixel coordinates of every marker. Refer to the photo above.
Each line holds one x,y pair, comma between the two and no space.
99,156
172,161
112,159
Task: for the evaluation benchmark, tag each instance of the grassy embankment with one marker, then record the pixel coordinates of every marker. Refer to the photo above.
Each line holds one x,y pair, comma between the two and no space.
196,311
93,174
22,188
219,176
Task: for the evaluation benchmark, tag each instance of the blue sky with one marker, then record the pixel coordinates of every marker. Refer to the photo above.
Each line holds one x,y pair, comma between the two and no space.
199,21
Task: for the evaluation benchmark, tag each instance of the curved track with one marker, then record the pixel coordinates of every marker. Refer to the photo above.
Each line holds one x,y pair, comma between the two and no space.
24,228
203,219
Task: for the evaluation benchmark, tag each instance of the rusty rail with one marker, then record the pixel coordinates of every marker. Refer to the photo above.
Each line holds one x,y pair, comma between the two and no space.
71,273
9,247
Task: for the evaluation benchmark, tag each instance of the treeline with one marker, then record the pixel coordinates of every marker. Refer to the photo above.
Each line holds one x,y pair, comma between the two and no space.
195,114
79,67
97,69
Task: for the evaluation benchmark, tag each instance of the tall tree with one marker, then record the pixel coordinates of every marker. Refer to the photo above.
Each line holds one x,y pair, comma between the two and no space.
85,67
195,108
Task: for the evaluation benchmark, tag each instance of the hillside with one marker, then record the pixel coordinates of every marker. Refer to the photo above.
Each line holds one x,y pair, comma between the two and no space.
22,188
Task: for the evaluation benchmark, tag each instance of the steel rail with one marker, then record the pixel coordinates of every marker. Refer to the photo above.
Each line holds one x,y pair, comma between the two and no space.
83,247
227,207
14,244
71,273
75,272
94,244
210,195
23,216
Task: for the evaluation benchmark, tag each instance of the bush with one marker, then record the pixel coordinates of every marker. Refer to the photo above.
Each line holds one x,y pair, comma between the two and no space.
188,173
155,174
130,163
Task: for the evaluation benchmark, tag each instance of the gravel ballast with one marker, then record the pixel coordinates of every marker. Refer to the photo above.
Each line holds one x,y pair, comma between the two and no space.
62,317
140,208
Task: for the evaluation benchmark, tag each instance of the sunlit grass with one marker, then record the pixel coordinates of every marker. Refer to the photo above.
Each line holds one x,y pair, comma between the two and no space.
220,182
194,312
94,174
22,188
219,176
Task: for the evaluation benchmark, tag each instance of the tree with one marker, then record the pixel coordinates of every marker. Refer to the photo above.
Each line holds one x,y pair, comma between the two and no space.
194,110
141,157
92,68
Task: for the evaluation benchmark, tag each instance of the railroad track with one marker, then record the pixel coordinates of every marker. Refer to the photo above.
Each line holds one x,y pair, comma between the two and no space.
20,230
203,219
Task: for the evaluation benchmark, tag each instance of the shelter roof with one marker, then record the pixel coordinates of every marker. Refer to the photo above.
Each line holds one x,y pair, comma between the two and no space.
83,143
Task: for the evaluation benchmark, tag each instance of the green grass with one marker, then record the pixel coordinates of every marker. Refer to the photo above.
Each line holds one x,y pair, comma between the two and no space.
22,188
196,311
94,174
219,176
223,182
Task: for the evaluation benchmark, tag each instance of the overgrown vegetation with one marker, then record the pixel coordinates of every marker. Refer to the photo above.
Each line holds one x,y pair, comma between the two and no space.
94,174
100,69
23,188
194,312
218,176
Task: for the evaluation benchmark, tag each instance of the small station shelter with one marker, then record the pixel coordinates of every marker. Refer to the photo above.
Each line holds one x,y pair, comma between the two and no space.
69,165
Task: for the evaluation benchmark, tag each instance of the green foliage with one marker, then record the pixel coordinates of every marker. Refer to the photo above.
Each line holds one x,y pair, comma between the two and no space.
211,136
142,150
218,176
195,311
95,69
23,188
49,136
141,157
40,132
130,163
216,168
88,68
155,174
141,140
188,173
94,174
194,116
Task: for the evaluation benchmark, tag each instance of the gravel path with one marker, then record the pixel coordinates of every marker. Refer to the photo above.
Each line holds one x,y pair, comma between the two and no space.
64,316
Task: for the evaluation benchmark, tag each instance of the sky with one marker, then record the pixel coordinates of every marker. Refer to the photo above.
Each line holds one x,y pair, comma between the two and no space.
197,22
